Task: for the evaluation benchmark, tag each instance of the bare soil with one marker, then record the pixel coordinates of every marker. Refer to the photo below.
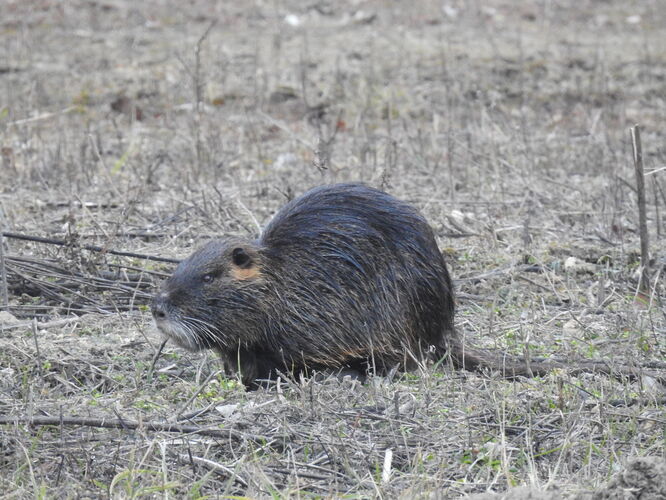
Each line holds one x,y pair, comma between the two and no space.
151,127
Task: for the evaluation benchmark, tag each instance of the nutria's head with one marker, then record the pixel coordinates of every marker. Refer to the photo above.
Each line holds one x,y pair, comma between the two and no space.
210,299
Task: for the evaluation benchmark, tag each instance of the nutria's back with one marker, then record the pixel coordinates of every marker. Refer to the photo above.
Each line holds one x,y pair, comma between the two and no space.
344,276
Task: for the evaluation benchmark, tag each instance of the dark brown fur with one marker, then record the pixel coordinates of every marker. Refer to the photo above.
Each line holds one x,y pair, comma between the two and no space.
345,276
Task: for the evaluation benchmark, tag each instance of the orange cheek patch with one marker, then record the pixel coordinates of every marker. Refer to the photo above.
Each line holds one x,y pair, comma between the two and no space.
250,273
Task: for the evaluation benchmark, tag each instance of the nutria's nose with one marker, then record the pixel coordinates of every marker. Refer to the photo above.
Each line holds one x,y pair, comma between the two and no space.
158,307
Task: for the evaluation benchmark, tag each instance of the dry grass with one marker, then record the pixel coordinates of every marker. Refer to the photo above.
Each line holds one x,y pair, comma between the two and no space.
505,123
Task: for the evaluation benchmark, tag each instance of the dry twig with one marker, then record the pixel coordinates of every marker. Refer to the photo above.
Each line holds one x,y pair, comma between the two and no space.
4,294
109,423
90,248
642,212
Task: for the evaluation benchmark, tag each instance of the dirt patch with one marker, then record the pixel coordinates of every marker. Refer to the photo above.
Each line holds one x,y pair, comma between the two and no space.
643,478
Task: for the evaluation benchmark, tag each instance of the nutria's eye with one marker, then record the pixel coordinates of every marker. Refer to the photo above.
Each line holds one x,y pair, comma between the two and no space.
207,278
240,258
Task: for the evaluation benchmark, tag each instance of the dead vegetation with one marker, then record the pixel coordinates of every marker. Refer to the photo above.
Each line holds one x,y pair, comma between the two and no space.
147,128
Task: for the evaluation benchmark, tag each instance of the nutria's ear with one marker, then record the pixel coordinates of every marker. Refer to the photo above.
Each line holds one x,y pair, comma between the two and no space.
245,264
241,258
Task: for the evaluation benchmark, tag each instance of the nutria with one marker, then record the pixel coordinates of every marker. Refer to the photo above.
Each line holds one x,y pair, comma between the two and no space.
345,276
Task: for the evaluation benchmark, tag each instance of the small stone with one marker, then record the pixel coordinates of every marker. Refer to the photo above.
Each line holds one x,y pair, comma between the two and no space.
226,410
577,266
7,319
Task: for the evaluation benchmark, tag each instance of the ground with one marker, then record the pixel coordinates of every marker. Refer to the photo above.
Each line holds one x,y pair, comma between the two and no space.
151,127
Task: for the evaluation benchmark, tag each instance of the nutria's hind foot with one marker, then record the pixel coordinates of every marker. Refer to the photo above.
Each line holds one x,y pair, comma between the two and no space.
340,375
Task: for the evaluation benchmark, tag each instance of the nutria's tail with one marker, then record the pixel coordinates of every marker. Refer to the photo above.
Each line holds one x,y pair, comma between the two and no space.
473,359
